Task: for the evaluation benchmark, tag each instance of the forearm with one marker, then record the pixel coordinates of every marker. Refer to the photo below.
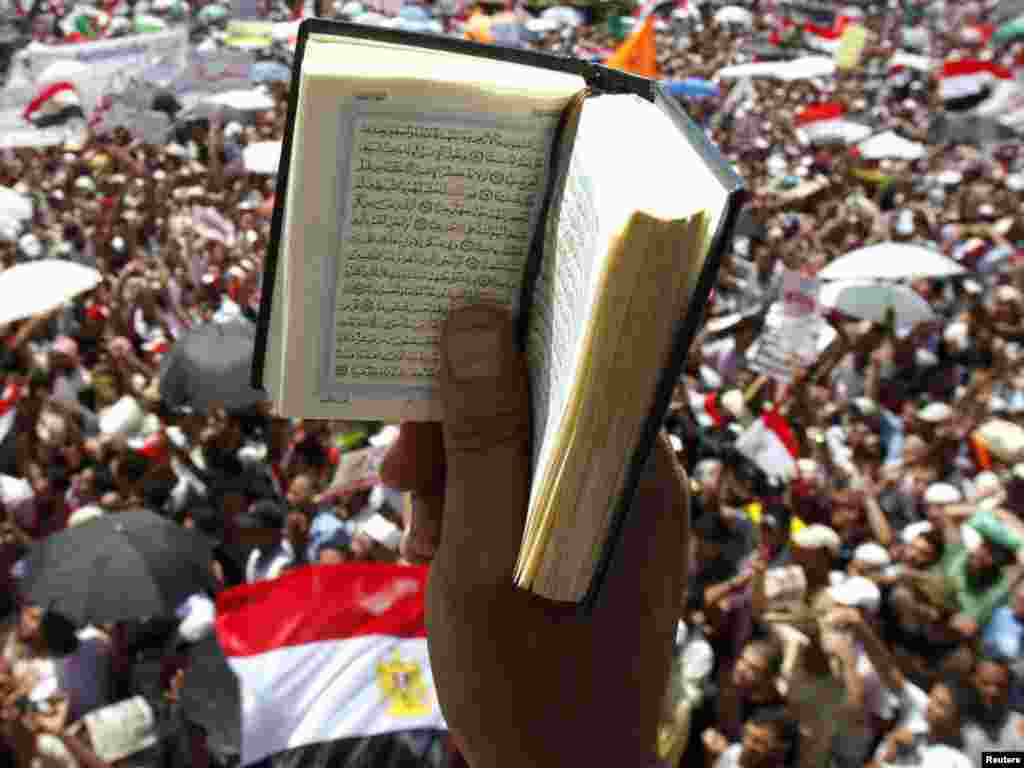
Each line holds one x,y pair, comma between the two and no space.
85,756
878,522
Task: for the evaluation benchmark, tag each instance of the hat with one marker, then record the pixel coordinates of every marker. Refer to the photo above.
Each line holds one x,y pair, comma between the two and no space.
85,184
84,515
857,592
383,531
935,413
905,222
127,419
818,537
956,333
30,245
942,493
914,530
872,554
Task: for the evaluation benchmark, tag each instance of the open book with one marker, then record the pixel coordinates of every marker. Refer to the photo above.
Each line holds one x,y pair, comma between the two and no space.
419,173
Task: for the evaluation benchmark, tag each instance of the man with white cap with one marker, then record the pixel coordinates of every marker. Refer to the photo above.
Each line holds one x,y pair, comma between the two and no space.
867,697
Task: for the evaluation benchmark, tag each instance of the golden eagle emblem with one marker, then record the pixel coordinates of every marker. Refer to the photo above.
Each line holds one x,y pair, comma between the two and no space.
403,687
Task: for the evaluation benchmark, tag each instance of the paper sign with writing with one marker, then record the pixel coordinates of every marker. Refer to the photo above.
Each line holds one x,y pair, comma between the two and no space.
216,71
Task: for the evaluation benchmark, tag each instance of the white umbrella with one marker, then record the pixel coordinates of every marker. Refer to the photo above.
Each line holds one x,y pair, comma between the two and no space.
262,157
874,301
540,26
838,131
891,261
62,69
14,205
806,68
733,14
34,287
890,145
243,101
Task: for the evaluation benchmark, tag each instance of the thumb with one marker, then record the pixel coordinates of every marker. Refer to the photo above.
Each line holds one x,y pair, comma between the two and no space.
486,423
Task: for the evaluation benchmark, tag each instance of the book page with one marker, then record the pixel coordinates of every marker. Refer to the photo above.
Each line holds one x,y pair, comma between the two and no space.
563,299
341,80
121,729
436,210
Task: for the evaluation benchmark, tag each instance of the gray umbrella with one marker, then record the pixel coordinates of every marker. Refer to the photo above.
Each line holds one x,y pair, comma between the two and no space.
1007,10
968,129
209,367
211,697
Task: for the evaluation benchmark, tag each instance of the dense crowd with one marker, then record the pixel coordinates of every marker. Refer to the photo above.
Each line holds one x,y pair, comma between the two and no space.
869,608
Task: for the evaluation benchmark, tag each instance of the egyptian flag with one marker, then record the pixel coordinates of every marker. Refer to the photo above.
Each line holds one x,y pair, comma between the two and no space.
8,409
707,410
820,122
965,84
770,443
54,105
826,39
329,652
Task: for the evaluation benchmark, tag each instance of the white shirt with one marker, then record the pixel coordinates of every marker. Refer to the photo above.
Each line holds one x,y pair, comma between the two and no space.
914,704
269,565
730,758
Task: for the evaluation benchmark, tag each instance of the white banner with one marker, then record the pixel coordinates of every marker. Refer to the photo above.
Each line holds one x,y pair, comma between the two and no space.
106,60
215,71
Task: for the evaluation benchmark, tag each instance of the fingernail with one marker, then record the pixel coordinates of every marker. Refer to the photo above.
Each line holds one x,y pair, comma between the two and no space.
473,344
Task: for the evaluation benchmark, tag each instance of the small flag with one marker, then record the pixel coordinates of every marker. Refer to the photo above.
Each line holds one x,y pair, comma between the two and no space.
329,652
639,53
826,122
826,39
54,105
965,84
770,443
706,409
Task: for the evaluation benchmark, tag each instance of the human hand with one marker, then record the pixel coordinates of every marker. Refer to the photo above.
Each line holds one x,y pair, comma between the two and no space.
54,721
714,742
965,625
522,680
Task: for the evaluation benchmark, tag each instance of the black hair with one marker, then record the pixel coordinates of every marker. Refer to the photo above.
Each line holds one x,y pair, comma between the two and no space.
770,647
710,528
58,634
786,729
133,466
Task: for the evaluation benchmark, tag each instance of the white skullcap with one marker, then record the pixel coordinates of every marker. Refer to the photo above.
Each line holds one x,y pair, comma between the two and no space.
383,531
857,592
84,515
818,537
942,493
971,538
385,437
905,222
872,554
924,357
914,530
732,401
677,444
956,335
935,413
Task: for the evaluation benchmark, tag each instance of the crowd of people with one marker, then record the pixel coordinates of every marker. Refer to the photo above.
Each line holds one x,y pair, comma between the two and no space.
866,610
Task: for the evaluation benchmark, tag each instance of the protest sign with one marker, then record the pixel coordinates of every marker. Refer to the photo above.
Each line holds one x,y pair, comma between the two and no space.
215,71
792,329
106,61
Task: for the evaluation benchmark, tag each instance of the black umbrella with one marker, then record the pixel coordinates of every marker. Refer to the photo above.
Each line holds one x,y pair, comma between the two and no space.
211,697
129,565
210,367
